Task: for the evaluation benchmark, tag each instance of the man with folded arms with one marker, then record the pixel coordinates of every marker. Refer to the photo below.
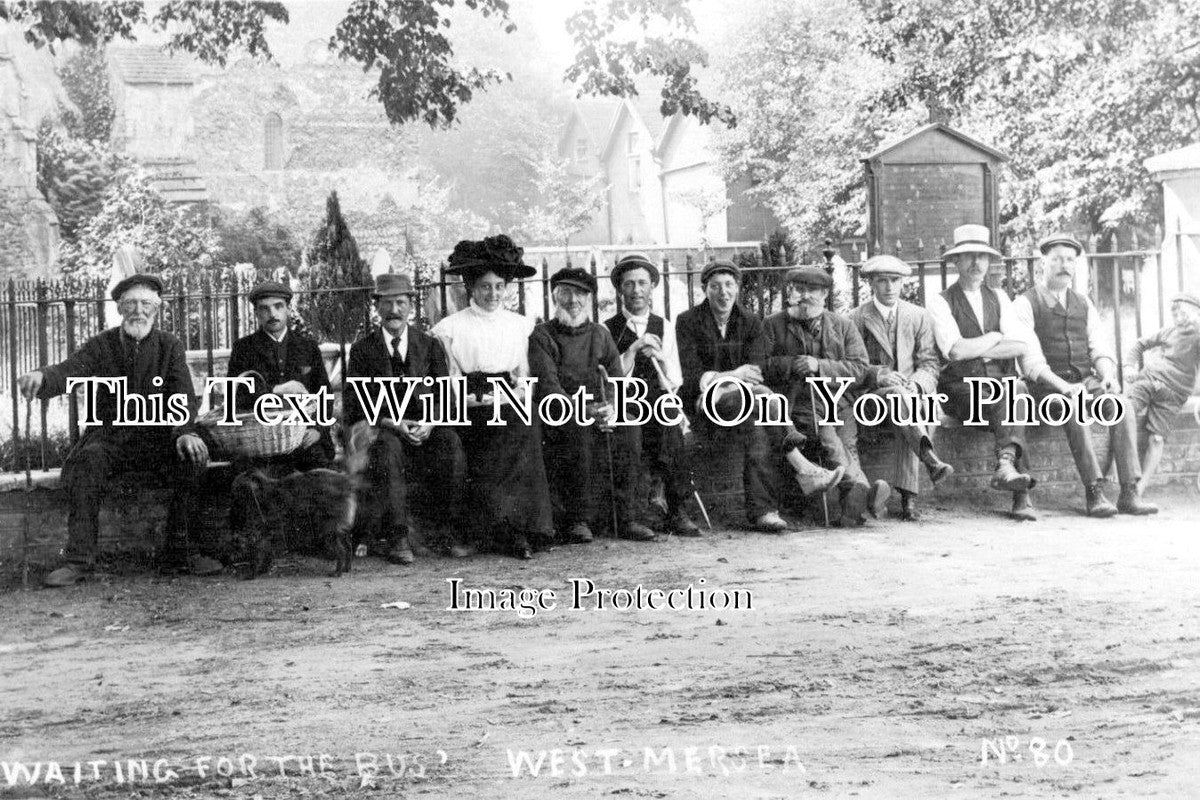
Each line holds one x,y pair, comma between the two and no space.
978,334
1068,356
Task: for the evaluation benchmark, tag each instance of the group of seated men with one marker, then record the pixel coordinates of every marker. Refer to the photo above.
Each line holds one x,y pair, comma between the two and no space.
1047,340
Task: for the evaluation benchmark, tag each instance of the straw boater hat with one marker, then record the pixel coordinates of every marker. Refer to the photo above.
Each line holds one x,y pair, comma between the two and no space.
972,239
497,254
885,265
631,262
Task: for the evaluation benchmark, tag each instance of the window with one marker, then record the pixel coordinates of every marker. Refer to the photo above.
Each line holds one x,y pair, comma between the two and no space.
633,141
273,142
635,173
581,149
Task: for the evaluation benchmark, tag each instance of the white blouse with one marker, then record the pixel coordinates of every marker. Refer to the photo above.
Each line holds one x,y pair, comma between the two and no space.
486,341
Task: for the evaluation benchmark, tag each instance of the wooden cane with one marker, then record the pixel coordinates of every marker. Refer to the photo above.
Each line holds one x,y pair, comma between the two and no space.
612,480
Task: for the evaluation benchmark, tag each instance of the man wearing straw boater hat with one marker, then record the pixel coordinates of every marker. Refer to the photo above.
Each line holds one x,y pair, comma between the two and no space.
154,365
567,353
650,353
806,340
282,361
1070,355
904,362
413,464
978,334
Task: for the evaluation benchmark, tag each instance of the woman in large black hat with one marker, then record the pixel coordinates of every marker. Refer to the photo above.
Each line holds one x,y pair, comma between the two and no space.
506,480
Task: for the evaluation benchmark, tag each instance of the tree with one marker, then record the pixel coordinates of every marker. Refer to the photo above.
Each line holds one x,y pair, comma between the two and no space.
170,240
1078,93
805,92
85,79
567,203
254,238
75,176
337,307
406,42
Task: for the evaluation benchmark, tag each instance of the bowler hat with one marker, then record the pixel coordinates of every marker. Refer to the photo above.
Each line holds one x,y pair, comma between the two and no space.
1060,238
138,279
572,276
631,262
497,254
809,276
720,265
972,239
270,289
885,265
390,285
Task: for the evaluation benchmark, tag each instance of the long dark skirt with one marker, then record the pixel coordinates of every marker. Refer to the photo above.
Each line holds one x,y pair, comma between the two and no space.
507,495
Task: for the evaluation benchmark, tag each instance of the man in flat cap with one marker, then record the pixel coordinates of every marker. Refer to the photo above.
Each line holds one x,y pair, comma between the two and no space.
720,339
646,342
413,465
282,361
804,341
1163,386
566,354
978,334
903,362
1068,355
154,364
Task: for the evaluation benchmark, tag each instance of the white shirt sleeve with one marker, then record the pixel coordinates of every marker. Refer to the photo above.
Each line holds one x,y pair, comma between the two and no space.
945,329
1097,339
672,369
1033,363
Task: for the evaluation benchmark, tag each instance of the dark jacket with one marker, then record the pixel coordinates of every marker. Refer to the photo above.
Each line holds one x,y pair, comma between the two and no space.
916,355
369,358
564,359
842,353
301,362
702,349
104,355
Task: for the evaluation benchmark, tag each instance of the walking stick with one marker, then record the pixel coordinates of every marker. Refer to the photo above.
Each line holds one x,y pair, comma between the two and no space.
612,480
28,490
691,482
817,433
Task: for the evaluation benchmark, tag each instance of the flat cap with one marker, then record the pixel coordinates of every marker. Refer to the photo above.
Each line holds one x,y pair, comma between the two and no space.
634,261
720,265
389,285
270,289
1060,238
138,279
573,276
1187,297
809,276
885,265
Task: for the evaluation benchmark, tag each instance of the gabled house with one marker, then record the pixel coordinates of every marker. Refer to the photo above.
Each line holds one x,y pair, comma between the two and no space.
664,185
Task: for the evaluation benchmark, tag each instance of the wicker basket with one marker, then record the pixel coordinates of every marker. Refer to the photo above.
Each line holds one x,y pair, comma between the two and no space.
252,438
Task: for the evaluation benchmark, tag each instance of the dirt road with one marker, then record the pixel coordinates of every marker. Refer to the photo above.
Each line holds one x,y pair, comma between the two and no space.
882,662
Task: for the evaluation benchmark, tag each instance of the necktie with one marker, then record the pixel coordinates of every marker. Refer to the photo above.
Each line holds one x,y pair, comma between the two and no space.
891,327
397,359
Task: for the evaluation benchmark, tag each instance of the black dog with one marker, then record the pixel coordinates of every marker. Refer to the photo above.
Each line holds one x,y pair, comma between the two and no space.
306,512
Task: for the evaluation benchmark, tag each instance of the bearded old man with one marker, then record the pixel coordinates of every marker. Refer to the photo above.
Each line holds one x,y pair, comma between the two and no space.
154,365
565,355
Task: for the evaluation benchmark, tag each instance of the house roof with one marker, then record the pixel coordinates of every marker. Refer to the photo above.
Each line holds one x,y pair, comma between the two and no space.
887,147
178,179
1185,158
649,108
595,117
149,65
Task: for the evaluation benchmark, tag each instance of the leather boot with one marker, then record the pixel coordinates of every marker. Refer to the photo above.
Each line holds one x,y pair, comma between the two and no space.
1130,502
1022,508
637,532
938,470
877,499
812,478
680,524
1006,478
1097,504
908,507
